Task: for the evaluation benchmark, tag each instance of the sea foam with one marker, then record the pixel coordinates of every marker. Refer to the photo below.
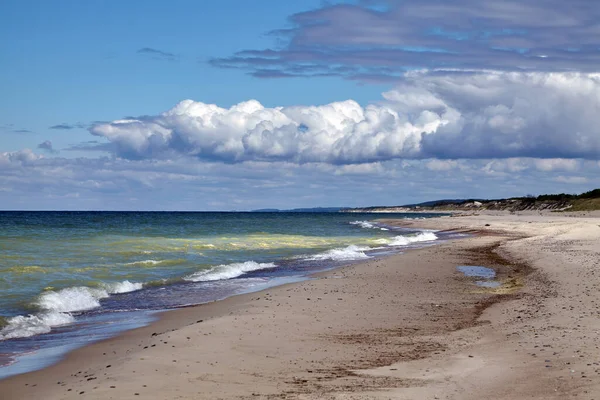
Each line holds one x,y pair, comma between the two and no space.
122,287
144,263
71,299
349,253
25,326
57,308
363,224
408,239
368,225
227,271
153,263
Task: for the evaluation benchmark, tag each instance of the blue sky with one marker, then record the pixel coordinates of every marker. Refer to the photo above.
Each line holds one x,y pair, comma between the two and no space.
336,102
79,61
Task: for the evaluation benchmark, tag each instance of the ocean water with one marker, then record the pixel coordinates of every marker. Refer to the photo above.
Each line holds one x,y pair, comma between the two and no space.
69,278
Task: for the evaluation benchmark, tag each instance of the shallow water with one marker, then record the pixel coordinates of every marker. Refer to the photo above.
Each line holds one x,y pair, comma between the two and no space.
480,272
488,284
477,271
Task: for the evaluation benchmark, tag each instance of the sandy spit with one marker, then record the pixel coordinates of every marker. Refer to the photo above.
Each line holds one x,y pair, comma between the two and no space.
405,327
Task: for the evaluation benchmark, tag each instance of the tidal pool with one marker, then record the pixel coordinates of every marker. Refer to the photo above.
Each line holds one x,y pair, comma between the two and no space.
475,271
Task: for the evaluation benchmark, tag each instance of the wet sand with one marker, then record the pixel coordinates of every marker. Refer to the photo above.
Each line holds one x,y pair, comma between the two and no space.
406,327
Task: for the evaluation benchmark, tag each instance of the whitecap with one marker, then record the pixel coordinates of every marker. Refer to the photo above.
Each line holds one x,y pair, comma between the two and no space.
363,224
31,325
144,262
227,271
408,239
71,299
368,225
349,253
57,308
122,287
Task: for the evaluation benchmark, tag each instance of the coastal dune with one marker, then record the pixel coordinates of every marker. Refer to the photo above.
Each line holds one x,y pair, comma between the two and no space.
409,326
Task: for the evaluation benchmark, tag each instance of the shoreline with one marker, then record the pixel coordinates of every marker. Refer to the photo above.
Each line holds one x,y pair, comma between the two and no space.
77,314
363,329
152,316
159,315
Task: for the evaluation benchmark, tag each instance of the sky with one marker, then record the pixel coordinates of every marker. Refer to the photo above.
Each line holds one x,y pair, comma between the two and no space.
238,105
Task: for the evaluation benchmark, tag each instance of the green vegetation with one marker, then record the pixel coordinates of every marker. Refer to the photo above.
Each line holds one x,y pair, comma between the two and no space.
556,197
585,205
587,201
592,194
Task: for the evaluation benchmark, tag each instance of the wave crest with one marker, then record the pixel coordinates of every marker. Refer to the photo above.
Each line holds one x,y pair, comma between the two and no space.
71,299
227,271
363,224
408,239
57,308
349,253
153,263
122,287
31,325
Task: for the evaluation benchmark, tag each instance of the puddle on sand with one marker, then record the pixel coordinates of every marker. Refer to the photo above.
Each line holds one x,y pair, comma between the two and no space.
477,272
488,284
473,271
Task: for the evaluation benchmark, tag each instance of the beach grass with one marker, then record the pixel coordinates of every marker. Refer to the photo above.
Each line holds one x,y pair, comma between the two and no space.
585,205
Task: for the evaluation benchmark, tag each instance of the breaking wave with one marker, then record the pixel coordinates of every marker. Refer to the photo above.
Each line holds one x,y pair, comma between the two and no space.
354,252
363,224
368,225
227,271
25,326
122,287
408,239
152,263
57,308
346,254
71,299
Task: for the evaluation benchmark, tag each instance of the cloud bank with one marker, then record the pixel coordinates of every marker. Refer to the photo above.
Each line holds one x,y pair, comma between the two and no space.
490,99
32,181
378,40
478,115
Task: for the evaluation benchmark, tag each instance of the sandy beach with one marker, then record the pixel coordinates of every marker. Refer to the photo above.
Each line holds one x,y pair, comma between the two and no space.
405,327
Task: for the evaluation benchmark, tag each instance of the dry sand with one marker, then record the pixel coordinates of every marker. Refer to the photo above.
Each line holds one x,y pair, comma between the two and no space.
405,327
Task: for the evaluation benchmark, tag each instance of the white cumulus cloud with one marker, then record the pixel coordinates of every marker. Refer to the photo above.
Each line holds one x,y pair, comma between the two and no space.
18,158
446,116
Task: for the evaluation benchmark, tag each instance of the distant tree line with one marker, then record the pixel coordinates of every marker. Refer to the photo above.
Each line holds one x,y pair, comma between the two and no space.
592,194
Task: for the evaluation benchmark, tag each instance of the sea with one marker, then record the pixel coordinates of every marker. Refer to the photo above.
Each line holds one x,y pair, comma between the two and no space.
71,278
